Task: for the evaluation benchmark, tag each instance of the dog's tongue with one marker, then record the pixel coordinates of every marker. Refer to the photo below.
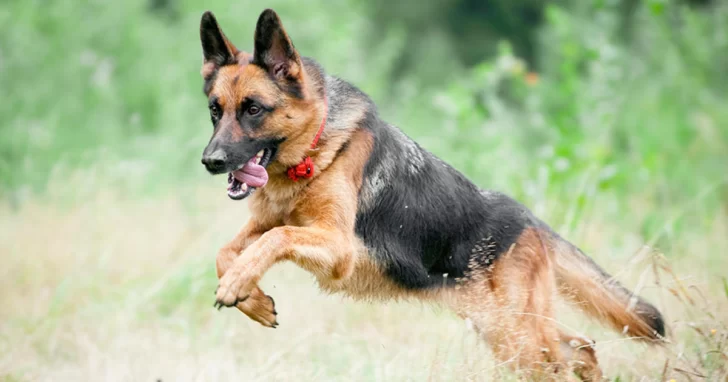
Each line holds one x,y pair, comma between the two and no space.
252,174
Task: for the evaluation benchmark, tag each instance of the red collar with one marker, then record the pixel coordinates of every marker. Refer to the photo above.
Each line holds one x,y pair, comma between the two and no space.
304,169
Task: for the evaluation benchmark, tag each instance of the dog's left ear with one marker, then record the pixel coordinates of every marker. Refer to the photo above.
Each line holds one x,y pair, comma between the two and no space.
274,50
217,50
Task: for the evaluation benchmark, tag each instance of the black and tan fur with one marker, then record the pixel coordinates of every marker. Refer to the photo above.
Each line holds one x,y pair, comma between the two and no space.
383,218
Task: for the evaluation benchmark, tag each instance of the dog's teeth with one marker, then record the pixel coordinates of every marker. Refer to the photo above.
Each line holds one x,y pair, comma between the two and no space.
243,187
259,154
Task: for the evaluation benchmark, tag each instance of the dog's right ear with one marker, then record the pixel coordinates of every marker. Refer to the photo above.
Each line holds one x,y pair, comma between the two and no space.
274,50
217,50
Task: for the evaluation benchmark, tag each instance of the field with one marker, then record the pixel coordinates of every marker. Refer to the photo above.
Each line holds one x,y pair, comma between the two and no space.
109,225
113,289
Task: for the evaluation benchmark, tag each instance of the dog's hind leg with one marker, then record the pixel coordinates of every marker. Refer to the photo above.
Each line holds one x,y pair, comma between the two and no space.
579,354
511,306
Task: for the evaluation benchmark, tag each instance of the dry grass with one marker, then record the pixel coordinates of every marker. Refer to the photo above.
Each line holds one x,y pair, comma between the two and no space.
113,289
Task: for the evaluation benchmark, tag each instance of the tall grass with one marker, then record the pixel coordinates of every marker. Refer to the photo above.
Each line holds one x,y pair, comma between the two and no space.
103,291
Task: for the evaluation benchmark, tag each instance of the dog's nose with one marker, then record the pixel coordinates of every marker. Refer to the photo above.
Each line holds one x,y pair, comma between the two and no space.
214,162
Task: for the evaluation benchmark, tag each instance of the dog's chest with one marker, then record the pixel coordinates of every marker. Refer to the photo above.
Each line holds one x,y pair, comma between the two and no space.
274,207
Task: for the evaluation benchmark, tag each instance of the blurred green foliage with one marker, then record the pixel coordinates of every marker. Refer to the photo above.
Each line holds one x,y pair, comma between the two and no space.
627,100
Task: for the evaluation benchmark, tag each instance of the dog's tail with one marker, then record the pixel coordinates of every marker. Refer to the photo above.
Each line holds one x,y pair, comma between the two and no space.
596,293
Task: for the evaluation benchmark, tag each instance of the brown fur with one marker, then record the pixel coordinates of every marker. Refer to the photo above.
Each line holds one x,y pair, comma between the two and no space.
313,227
609,303
511,305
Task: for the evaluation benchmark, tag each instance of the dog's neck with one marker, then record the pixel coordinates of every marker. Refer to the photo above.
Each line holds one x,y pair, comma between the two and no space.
346,108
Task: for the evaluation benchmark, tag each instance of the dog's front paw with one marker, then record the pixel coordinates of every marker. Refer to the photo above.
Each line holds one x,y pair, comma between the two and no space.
260,308
232,289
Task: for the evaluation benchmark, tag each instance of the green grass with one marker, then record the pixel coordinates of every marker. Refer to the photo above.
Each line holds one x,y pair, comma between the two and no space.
109,224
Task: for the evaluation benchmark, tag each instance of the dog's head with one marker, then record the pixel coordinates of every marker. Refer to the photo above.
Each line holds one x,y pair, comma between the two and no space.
257,102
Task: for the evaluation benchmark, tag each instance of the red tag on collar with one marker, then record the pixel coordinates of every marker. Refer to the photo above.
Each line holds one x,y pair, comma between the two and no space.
304,169
301,170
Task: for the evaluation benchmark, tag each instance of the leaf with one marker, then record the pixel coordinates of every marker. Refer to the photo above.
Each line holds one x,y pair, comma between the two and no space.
725,286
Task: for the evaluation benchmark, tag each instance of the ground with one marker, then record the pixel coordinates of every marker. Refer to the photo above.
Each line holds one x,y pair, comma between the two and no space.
114,288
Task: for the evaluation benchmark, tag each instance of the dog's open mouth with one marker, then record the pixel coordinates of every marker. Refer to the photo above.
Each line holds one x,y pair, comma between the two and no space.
250,176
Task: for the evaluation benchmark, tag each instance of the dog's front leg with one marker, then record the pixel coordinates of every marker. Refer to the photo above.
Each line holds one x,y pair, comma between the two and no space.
251,231
327,253
259,306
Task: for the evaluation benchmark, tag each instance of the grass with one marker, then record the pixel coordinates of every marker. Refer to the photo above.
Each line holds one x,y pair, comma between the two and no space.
99,290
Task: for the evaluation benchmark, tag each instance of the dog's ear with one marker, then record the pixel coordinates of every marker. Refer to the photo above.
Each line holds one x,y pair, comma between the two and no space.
217,50
274,50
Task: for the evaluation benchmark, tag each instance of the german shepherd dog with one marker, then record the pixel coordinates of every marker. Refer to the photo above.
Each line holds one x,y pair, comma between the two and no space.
370,213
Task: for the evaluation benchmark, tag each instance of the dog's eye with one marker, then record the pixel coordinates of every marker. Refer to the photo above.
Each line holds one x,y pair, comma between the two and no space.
214,111
253,110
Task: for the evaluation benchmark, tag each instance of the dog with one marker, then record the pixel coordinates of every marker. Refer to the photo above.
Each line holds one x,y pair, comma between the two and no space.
371,214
